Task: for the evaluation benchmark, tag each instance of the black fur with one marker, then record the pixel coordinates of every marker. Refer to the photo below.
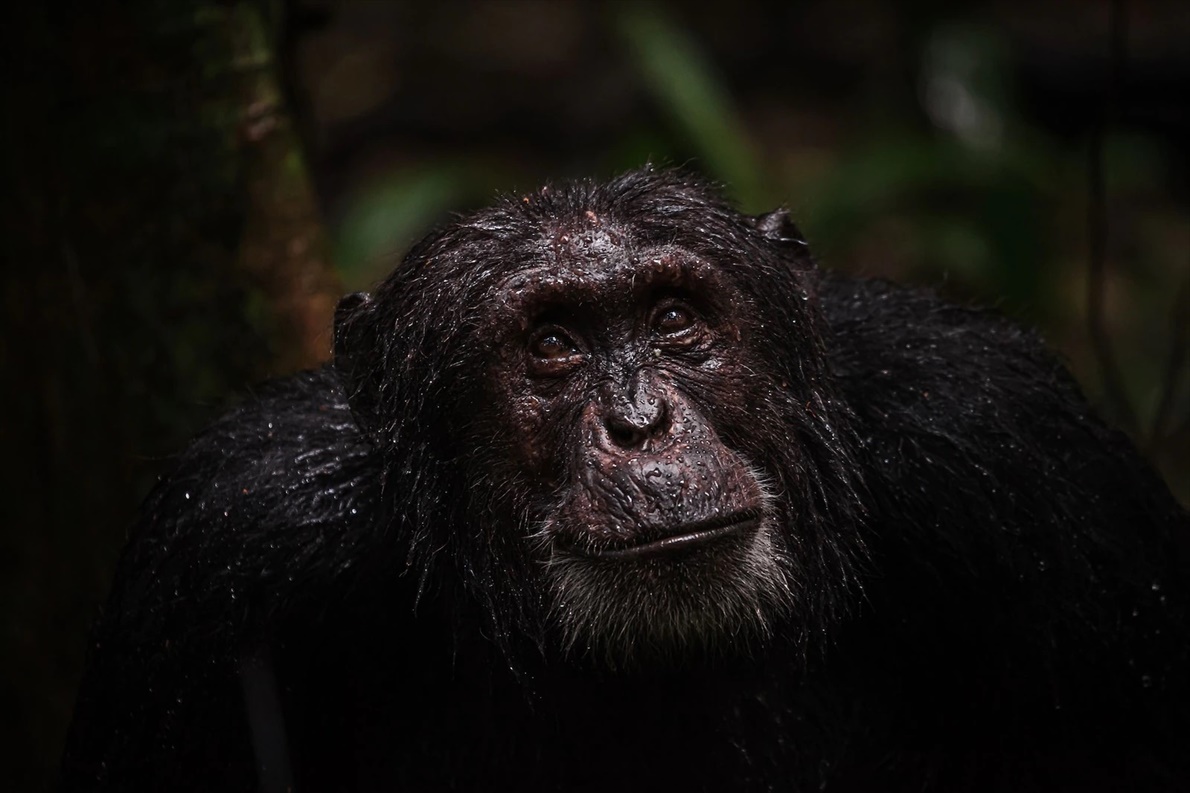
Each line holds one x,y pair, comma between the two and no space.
989,585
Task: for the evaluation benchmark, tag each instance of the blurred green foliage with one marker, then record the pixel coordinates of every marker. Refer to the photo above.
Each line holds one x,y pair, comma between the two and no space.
684,82
959,190
390,214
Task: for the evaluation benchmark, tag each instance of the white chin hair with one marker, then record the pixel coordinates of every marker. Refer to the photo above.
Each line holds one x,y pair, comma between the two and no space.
668,608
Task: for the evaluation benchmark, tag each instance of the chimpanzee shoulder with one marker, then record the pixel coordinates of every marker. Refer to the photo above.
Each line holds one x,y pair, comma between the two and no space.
932,357
287,469
981,391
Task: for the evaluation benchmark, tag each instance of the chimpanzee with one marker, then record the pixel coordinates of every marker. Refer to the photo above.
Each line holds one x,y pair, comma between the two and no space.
609,487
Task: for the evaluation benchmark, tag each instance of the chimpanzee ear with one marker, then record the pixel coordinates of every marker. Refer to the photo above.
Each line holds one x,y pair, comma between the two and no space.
358,359
776,225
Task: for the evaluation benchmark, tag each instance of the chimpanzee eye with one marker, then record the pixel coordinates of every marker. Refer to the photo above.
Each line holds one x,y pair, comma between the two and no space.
673,319
552,345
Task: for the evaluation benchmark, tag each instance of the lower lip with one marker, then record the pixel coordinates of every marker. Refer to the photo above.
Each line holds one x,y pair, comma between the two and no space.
680,541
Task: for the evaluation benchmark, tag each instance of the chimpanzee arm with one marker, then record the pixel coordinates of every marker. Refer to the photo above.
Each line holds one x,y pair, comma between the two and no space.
261,522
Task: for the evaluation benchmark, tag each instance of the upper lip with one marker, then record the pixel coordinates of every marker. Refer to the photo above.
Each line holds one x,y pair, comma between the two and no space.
685,536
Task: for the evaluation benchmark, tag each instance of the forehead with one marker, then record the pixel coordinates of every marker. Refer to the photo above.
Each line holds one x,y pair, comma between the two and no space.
592,262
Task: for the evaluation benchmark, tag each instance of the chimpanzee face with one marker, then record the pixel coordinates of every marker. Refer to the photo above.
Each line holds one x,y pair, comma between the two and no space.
615,364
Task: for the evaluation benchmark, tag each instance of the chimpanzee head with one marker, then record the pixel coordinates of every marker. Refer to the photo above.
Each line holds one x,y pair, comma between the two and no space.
605,409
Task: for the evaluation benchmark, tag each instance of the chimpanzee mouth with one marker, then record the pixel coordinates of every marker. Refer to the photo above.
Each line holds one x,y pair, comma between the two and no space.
688,536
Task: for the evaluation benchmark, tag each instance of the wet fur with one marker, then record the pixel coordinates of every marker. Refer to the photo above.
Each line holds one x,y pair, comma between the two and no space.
970,582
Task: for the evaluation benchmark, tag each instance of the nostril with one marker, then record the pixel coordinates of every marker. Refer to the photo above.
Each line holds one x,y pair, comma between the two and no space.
624,435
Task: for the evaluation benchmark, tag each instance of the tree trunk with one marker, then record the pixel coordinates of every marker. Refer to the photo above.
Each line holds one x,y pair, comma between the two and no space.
164,251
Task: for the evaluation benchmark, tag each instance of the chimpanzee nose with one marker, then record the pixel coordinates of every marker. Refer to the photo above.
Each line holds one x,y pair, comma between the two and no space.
631,419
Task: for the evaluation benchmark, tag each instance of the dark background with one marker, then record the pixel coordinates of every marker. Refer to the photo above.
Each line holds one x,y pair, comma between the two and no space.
188,185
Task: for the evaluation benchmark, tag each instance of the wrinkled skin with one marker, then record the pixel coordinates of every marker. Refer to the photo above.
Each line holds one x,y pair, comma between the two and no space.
609,487
620,361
